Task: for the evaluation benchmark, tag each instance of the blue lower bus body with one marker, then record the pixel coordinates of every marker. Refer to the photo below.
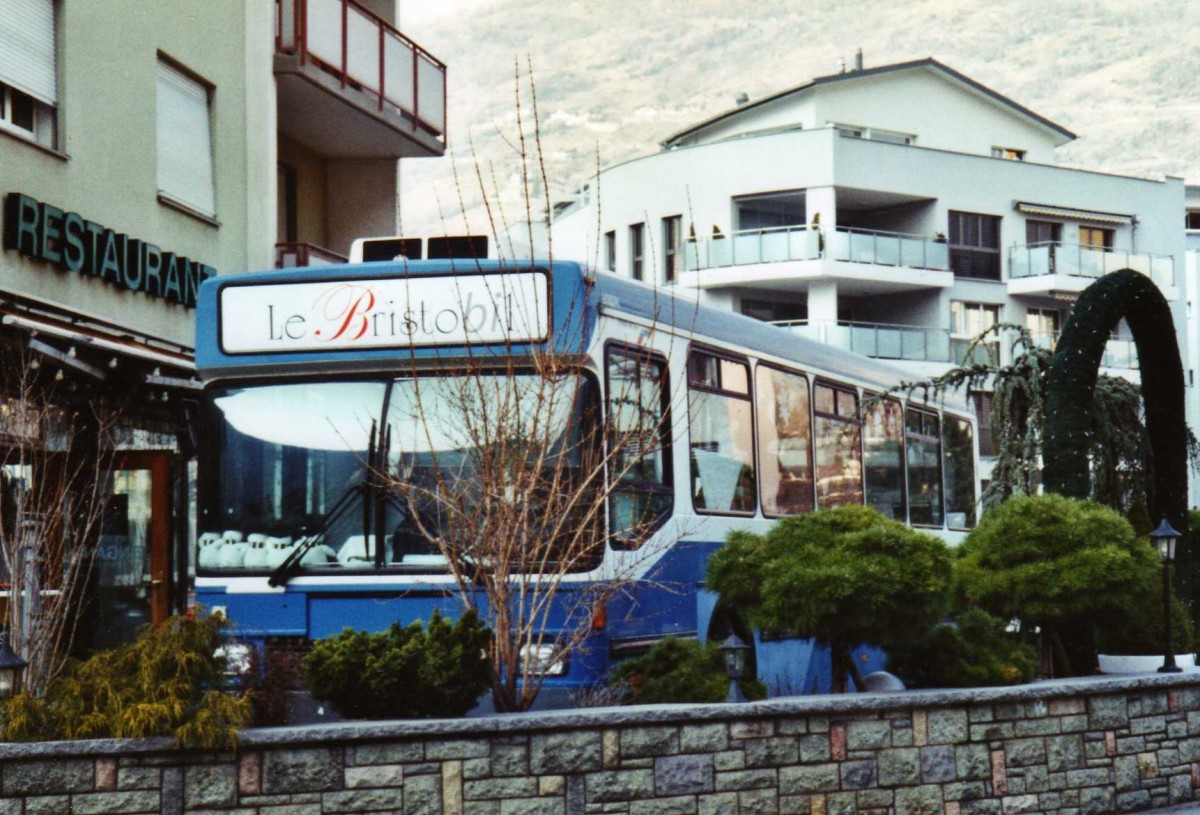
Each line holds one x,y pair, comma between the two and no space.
669,602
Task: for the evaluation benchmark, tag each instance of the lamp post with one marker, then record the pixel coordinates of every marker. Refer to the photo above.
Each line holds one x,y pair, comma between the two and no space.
1165,538
12,668
734,651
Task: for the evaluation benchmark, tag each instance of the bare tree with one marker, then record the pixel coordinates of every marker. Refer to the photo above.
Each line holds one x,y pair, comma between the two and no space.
55,460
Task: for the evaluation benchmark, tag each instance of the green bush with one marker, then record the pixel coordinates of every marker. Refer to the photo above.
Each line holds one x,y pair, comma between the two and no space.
1139,629
977,651
417,671
167,682
1071,568
845,576
678,671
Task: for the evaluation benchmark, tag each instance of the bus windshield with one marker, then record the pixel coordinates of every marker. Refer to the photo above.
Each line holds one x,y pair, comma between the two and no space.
291,465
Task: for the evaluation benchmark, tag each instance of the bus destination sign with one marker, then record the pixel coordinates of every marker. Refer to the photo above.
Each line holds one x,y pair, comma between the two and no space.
338,315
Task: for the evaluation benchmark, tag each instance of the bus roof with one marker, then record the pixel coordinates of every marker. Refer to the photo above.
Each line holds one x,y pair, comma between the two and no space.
578,297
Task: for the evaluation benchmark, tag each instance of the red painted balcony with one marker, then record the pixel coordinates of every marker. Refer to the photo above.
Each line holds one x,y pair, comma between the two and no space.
350,85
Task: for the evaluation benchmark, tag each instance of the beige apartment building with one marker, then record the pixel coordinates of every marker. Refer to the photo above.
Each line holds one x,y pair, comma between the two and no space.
146,146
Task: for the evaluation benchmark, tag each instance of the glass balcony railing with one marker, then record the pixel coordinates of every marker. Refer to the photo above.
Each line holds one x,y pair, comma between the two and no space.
1037,259
878,340
1119,352
888,249
1193,240
754,246
364,52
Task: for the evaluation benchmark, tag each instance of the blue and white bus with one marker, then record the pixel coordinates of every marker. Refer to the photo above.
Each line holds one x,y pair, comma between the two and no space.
303,371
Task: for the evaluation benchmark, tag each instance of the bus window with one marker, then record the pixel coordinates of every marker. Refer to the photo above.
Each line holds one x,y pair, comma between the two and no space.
922,442
883,438
958,460
838,456
639,427
784,442
722,438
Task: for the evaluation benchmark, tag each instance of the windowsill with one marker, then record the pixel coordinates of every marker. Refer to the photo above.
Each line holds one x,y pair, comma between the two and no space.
23,137
176,204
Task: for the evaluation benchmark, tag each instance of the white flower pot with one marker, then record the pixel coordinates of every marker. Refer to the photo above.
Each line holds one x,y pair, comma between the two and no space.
1125,664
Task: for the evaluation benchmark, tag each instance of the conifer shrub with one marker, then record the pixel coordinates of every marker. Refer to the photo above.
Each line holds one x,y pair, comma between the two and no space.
169,681
678,671
416,671
976,651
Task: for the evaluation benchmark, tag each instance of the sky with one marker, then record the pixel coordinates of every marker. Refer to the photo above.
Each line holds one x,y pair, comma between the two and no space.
615,77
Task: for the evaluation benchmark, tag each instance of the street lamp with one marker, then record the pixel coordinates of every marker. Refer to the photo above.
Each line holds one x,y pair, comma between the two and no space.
1165,538
12,668
734,651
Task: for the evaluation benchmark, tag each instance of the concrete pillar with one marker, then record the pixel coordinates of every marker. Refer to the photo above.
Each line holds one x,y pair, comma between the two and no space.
822,201
823,302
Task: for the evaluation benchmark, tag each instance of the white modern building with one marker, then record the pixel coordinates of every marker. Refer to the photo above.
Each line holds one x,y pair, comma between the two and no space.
147,146
896,211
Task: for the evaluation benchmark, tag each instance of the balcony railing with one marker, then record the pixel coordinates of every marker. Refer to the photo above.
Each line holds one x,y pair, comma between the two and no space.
888,249
1193,240
364,52
289,255
1119,352
754,246
878,340
1036,259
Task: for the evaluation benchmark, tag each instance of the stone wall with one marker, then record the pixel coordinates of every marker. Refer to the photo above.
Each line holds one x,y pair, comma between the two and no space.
1085,746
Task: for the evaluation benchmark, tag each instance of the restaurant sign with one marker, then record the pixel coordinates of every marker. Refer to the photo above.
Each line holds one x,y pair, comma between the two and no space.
71,242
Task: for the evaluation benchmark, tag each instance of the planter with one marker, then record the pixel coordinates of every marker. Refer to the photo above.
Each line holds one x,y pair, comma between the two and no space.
1126,664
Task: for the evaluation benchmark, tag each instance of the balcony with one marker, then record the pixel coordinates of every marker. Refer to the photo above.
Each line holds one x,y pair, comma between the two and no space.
352,86
878,340
790,257
1193,240
1119,353
1050,269
291,255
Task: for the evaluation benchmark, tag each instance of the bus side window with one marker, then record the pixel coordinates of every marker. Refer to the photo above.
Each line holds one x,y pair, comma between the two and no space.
883,456
958,460
839,454
721,434
784,441
923,443
638,436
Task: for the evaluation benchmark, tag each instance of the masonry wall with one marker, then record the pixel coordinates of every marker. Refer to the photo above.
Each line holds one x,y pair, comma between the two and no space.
1096,746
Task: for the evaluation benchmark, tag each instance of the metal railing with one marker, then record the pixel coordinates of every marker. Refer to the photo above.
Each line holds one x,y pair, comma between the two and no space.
290,255
365,52
878,340
1119,352
754,246
888,249
1037,259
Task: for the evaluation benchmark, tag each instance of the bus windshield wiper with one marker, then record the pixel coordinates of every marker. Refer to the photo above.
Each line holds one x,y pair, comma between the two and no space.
284,571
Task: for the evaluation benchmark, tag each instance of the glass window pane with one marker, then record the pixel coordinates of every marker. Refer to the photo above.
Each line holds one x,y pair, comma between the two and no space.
924,469
637,399
839,454
784,442
882,447
959,461
722,452
823,399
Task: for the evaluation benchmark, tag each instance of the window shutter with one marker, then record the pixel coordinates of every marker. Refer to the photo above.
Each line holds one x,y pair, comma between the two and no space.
27,54
185,158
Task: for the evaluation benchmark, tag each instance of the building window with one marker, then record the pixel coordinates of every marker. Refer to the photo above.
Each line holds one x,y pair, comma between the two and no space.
672,247
967,322
1092,237
637,249
1008,153
983,402
774,311
610,251
1042,232
185,155
770,210
975,245
874,134
1193,219
1043,324
28,70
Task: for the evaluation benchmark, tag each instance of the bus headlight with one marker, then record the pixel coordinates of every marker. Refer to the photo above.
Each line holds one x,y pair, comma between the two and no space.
546,660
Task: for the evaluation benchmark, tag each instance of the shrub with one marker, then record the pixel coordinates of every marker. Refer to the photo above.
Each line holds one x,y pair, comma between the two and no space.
167,682
1069,567
677,671
417,671
845,576
977,651
1139,629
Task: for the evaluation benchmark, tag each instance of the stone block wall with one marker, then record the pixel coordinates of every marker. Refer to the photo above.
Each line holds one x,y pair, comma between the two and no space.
1094,746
